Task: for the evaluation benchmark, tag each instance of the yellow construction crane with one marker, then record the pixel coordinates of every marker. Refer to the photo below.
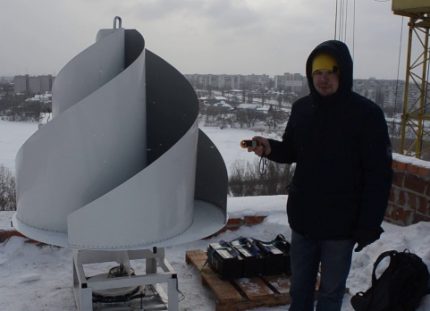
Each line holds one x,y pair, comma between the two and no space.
416,106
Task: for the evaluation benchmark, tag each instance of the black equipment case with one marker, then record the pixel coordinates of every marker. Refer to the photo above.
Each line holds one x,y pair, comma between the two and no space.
248,257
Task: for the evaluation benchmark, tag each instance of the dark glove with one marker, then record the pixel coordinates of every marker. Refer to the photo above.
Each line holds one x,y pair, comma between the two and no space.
364,237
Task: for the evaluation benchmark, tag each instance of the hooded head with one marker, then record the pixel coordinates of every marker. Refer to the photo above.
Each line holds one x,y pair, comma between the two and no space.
331,55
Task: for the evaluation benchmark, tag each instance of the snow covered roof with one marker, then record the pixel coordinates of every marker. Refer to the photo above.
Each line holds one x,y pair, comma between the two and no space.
264,109
220,98
223,104
248,106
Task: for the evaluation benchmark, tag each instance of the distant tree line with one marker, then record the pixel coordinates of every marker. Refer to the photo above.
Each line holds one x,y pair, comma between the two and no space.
13,107
243,118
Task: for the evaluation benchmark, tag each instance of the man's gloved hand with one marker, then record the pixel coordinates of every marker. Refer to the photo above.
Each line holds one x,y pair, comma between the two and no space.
364,237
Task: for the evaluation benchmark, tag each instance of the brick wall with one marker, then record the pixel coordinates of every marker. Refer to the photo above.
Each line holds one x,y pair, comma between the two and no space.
410,192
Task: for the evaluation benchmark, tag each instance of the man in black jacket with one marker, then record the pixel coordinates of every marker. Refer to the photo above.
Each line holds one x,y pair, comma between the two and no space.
339,192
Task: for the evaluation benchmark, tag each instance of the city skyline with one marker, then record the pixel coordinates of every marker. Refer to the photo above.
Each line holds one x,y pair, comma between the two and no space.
205,36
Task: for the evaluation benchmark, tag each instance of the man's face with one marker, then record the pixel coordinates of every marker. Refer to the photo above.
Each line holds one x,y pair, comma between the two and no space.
326,82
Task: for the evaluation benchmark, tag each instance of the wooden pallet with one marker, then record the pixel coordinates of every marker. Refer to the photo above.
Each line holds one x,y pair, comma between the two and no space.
242,293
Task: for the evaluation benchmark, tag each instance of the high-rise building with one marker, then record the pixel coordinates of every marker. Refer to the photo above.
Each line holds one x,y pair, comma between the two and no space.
33,84
292,82
20,84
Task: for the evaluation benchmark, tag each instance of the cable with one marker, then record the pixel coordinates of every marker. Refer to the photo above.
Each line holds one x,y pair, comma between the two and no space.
425,91
340,20
262,165
180,293
353,34
335,21
398,68
393,122
133,294
346,20
204,265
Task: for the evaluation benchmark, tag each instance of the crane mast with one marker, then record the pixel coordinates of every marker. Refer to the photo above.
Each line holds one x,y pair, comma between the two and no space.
416,107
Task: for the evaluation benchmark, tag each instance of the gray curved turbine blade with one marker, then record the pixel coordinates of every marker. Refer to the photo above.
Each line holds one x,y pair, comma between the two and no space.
122,164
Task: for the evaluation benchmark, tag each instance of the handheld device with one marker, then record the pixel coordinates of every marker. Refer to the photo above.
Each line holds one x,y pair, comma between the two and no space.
246,143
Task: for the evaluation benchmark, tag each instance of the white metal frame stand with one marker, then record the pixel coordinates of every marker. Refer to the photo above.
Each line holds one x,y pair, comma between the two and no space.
83,287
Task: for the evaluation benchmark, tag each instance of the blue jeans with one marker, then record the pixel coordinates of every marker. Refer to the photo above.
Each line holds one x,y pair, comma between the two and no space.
306,257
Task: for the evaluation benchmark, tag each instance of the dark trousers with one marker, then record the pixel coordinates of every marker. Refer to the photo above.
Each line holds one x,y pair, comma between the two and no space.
306,257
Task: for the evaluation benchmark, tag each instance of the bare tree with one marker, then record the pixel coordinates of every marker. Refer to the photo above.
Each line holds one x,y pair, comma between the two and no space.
7,190
259,178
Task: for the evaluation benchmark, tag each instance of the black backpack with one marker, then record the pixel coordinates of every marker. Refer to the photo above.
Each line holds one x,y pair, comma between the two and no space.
399,288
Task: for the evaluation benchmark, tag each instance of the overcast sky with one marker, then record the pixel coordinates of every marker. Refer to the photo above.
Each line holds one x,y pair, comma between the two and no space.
203,36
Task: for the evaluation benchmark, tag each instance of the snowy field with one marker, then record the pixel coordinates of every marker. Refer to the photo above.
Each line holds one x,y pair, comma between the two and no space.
36,278
12,136
228,140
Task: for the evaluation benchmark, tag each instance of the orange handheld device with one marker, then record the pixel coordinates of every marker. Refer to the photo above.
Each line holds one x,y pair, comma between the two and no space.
248,143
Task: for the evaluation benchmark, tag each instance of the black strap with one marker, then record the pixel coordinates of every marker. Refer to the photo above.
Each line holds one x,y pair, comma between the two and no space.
359,297
390,254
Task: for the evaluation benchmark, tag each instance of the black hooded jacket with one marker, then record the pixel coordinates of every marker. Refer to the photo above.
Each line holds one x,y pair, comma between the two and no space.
342,151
